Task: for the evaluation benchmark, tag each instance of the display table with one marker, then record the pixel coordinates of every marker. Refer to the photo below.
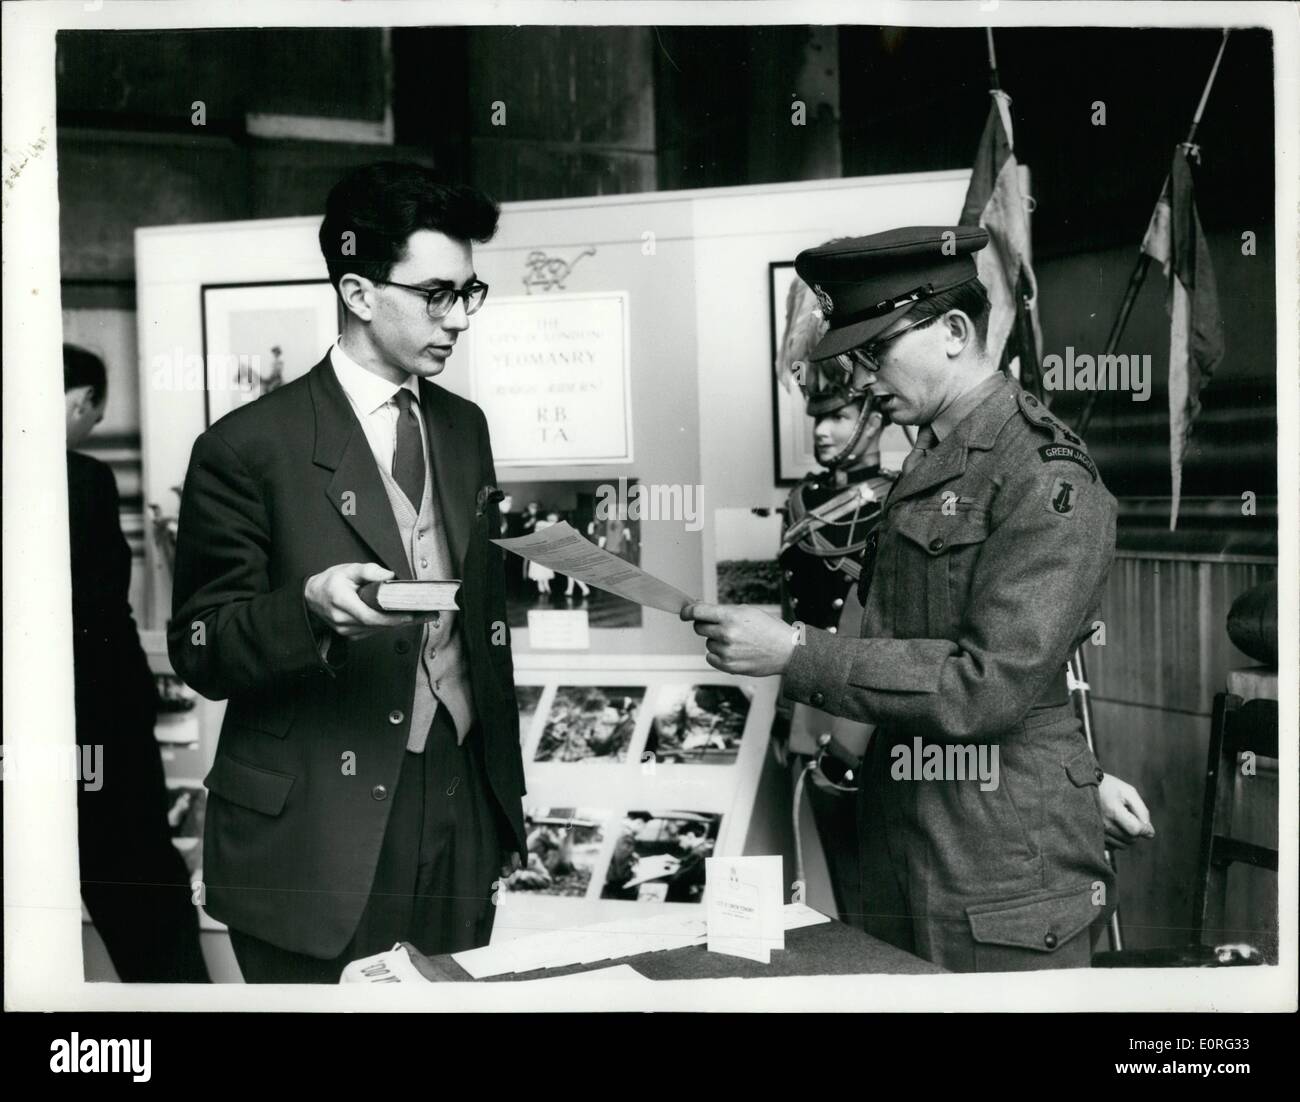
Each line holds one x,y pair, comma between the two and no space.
827,949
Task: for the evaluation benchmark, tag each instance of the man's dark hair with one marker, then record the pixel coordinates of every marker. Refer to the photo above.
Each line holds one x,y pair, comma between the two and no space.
968,297
82,368
372,211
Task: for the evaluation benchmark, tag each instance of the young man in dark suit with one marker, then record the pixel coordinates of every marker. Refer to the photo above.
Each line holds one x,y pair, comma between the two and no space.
368,780
133,880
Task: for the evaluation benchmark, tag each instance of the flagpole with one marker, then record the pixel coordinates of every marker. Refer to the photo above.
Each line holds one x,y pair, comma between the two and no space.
1138,277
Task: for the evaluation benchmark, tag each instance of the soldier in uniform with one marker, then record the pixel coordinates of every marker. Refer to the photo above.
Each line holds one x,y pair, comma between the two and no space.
829,516
985,572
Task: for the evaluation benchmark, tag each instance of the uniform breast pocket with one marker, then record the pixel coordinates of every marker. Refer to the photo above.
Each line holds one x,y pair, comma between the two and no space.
937,557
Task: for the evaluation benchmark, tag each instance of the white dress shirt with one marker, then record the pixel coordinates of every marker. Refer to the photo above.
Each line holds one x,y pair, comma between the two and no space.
374,401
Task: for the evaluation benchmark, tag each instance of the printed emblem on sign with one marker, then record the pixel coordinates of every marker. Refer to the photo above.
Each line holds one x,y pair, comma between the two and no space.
1063,498
823,300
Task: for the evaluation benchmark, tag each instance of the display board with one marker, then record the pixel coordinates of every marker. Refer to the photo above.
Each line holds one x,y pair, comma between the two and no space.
637,769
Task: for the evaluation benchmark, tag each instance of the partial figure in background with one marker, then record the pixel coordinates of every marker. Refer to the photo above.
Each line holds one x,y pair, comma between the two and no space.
133,880
829,516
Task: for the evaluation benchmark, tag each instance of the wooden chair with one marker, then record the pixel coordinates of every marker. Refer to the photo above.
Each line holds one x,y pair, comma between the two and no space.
1237,728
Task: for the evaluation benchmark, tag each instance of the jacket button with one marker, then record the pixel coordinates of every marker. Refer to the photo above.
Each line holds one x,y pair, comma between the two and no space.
1050,941
1100,776
838,602
936,544
794,602
379,792
788,575
396,716
832,631
401,646
817,699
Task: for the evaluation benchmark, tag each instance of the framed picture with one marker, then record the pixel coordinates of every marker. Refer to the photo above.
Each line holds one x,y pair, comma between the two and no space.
791,426
259,336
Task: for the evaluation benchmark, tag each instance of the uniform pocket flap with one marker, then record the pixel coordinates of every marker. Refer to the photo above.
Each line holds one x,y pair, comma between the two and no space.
935,531
249,786
1083,769
1042,922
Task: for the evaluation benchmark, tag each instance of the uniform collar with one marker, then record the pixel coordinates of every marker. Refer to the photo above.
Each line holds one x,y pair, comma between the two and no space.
366,390
963,407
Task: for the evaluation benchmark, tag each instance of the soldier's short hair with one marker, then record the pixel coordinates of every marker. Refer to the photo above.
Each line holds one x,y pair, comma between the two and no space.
969,297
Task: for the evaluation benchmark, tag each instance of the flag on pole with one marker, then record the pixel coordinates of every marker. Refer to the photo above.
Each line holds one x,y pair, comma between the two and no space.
995,202
1174,239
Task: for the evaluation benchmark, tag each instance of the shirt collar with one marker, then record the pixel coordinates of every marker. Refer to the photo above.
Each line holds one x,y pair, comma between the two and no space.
951,417
366,390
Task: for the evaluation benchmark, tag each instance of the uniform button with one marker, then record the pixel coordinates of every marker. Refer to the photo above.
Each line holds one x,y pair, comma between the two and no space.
788,575
815,486
838,602
832,631
1100,776
817,699
1050,941
401,646
379,792
433,653
424,564
396,716
794,602
936,544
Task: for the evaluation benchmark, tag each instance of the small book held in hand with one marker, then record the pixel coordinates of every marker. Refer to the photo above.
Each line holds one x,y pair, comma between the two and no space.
411,596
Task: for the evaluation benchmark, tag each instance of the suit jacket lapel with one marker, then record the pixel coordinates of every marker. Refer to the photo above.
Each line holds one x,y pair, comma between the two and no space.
356,489
453,454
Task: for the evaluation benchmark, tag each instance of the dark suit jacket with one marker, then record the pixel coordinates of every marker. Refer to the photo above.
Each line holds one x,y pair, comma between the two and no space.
115,693
310,751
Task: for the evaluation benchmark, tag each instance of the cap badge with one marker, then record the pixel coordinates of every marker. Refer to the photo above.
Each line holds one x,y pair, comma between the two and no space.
824,300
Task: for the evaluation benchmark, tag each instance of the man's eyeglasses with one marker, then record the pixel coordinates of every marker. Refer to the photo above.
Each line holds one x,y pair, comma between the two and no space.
441,301
868,355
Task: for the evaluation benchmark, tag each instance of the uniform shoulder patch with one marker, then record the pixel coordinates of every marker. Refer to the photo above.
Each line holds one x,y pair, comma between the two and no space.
1063,496
1070,453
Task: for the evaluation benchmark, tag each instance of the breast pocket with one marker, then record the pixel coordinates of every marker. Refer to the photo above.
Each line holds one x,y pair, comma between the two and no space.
940,549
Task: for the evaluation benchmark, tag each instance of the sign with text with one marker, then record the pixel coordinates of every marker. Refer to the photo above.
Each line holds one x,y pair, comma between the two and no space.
551,373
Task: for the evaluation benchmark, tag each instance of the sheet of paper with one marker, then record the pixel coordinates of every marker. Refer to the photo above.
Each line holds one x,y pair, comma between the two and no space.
626,937
562,549
743,906
799,915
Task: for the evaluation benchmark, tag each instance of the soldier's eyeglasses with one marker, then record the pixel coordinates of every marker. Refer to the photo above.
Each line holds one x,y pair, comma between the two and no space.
441,301
868,355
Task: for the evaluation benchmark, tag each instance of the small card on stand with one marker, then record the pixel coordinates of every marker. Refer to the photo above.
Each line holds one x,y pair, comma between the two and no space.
743,906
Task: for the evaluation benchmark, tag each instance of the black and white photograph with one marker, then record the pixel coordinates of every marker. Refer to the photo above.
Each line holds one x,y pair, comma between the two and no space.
598,513
909,391
698,724
590,723
659,857
564,847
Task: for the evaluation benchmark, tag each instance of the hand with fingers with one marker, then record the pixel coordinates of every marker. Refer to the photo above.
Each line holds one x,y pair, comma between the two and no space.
742,639
332,598
1125,815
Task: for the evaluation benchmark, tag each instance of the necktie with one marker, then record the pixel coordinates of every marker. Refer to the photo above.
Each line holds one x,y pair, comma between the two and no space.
408,456
925,439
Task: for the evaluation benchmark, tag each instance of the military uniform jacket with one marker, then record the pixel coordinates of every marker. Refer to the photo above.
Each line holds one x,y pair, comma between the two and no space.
985,571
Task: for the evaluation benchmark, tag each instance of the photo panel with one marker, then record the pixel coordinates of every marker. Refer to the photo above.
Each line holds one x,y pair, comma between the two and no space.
590,723
698,724
565,847
658,856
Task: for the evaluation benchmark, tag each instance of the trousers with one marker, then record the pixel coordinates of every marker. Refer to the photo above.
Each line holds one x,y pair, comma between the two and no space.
433,882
